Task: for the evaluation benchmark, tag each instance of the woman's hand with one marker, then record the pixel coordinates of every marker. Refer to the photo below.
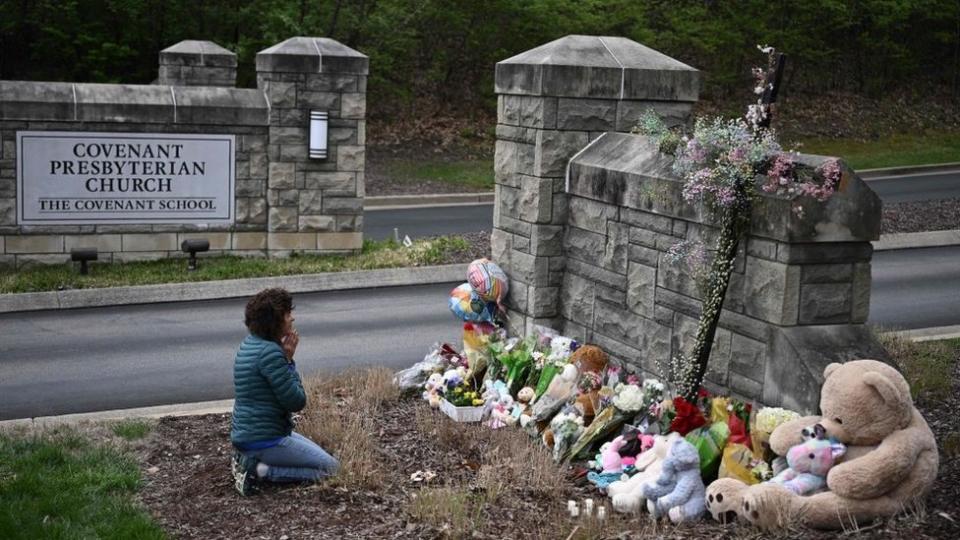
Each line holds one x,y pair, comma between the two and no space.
289,343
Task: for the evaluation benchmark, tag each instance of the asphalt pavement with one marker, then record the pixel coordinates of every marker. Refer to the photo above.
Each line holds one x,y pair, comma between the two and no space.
917,186
916,288
429,221
67,361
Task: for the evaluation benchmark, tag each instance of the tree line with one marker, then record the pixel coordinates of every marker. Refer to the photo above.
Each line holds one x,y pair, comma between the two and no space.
444,50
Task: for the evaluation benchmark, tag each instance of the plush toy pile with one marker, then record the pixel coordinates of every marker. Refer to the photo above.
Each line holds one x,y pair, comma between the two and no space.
870,455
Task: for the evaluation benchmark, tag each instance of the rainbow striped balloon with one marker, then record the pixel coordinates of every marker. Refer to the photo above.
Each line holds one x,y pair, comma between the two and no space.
488,280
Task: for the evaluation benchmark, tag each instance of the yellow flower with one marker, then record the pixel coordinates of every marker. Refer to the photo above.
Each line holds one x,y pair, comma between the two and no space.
477,402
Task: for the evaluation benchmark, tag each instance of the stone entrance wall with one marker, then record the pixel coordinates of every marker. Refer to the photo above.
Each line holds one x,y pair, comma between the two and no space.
284,201
595,266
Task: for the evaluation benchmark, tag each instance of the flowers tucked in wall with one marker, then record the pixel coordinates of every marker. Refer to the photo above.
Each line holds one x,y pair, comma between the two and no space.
722,163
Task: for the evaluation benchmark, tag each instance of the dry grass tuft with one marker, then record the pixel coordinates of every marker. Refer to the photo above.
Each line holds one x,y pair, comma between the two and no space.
455,510
927,366
513,460
508,458
340,416
443,432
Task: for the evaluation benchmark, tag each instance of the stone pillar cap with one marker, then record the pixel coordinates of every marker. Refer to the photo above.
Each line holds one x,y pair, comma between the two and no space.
312,55
597,67
191,52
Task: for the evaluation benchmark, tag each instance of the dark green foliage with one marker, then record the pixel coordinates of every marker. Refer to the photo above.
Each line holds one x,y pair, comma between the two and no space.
444,50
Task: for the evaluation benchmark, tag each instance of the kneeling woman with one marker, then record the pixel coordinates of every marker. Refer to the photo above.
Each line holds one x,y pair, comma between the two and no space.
268,390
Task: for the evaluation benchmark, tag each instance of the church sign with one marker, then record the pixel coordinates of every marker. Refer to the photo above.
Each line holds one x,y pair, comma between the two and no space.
78,178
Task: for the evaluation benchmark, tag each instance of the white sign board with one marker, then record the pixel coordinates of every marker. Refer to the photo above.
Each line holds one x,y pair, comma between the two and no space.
78,178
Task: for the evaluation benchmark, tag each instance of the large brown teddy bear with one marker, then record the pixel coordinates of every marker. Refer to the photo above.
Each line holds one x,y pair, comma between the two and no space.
890,465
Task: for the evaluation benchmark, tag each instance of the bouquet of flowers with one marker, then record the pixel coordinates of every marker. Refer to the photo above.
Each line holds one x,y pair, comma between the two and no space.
686,416
765,421
567,428
627,401
463,395
518,361
560,350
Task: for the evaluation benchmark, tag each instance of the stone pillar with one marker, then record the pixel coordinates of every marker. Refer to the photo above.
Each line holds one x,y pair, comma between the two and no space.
552,101
197,63
316,205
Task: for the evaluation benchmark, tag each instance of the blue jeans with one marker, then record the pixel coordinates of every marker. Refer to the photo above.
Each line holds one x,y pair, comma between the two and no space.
295,459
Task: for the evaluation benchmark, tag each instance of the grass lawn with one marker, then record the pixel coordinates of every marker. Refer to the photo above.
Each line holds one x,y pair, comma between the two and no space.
60,484
899,150
474,173
928,366
375,254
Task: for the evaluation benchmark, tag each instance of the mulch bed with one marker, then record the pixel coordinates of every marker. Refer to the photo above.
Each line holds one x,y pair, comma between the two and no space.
188,489
478,246
908,217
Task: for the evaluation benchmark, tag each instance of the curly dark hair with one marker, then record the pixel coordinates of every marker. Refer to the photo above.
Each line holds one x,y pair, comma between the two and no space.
266,311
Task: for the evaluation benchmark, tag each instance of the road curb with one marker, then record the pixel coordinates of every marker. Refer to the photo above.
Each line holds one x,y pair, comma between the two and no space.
868,174
233,288
160,411
928,334
392,202
924,239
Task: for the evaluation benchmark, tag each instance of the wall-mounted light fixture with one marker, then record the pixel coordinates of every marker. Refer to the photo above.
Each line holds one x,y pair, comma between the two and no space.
318,134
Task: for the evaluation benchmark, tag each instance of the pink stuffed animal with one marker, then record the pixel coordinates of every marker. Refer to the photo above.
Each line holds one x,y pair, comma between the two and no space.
610,460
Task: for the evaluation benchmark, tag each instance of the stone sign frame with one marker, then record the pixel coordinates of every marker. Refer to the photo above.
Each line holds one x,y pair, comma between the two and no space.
284,201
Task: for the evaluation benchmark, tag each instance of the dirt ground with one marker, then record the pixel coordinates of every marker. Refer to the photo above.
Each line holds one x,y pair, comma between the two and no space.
475,493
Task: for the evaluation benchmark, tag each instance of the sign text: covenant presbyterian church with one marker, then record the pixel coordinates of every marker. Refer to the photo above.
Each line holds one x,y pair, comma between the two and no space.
93,178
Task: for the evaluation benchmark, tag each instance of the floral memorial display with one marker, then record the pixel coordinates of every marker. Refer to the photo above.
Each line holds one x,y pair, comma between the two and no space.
667,446
720,163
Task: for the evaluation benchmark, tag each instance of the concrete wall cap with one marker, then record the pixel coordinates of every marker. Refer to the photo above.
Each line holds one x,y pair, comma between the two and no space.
30,100
193,52
312,55
218,105
124,103
598,67
628,170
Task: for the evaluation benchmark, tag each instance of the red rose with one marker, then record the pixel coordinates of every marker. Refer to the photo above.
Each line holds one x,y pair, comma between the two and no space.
688,416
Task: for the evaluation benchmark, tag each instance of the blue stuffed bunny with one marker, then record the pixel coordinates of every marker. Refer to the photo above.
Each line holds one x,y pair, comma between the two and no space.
678,492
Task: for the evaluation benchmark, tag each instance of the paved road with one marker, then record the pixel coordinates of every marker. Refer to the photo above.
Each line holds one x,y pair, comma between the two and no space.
59,362
916,288
136,356
419,222
917,187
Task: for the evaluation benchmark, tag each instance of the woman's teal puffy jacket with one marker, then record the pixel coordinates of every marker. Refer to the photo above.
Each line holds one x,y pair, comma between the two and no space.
268,390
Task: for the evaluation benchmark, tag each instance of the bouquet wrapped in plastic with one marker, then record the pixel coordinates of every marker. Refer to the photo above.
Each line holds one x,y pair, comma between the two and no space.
764,422
628,400
566,428
560,350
